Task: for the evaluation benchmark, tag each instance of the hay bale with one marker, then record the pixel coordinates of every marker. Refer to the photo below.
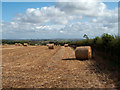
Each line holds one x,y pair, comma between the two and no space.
16,44
51,46
36,44
83,52
20,44
66,45
47,44
25,44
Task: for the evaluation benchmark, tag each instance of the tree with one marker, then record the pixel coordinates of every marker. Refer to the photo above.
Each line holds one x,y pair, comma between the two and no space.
85,36
107,39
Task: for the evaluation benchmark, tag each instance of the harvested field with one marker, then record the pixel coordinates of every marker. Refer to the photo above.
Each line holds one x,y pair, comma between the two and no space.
40,67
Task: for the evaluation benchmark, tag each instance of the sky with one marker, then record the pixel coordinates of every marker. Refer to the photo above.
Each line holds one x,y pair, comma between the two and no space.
68,20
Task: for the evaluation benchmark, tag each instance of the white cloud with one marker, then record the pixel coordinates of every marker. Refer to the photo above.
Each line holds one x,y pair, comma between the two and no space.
74,30
91,29
88,8
43,15
64,20
110,16
62,12
61,31
94,20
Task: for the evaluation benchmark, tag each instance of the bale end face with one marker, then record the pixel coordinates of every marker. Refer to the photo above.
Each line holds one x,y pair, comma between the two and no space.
83,52
47,44
36,44
51,46
16,44
25,44
66,45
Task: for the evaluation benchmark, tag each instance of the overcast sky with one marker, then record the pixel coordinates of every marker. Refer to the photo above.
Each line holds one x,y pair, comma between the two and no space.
46,20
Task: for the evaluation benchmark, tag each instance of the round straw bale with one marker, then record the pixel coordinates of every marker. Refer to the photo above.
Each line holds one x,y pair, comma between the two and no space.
20,44
47,44
16,44
66,45
25,44
36,44
83,52
51,46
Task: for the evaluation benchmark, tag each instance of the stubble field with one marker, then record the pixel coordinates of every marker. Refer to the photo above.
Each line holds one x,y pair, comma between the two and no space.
40,67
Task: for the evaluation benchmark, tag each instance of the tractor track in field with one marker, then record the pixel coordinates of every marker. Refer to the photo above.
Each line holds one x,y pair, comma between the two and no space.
51,68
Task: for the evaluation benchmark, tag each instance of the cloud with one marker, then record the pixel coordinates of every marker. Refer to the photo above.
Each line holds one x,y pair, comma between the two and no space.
63,12
91,9
91,29
111,16
87,8
30,30
63,20
73,30
43,15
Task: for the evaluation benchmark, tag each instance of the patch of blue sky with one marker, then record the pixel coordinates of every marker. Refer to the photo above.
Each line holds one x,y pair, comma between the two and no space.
111,5
10,9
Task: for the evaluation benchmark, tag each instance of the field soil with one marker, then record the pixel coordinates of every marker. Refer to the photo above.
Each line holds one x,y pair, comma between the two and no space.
40,67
